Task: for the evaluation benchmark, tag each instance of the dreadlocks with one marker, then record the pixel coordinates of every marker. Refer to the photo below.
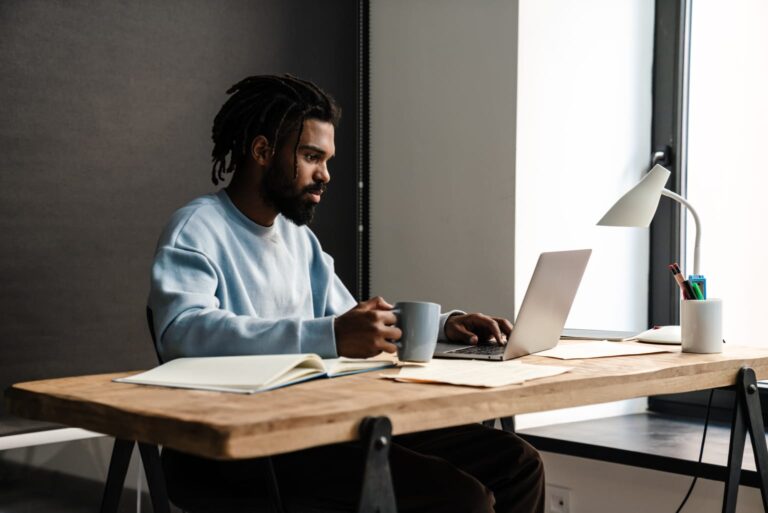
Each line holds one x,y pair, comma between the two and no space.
267,105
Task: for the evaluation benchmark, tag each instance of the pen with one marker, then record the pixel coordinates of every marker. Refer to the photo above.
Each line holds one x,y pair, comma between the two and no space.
689,290
701,282
696,290
680,282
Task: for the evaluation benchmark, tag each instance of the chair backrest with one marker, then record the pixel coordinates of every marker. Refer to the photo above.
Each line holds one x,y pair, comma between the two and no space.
151,325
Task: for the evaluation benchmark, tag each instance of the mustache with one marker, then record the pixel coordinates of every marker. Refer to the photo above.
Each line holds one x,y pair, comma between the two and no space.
316,188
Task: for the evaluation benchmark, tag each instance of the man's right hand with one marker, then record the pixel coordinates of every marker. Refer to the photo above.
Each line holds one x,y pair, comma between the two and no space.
366,330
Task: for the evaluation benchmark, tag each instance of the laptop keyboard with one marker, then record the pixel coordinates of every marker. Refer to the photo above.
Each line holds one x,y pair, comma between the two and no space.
484,349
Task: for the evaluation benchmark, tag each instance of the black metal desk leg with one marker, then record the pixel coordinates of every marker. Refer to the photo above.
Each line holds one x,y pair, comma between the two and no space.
272,484
118,466
747,417
378,494
508,424
150,457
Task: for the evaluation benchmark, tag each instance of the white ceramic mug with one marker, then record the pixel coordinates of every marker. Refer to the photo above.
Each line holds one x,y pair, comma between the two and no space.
701,325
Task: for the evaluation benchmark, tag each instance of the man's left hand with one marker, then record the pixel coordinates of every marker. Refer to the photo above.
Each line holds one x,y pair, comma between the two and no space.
476,327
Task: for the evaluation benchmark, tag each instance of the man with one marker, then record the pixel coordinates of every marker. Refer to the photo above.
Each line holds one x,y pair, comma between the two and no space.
238,272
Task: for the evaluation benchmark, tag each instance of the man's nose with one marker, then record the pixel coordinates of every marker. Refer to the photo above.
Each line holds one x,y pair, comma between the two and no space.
323,174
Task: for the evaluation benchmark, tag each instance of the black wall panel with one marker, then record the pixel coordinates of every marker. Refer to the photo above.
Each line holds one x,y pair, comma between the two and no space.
105,116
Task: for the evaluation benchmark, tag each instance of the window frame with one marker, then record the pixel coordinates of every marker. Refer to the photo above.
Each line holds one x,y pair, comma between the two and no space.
669,142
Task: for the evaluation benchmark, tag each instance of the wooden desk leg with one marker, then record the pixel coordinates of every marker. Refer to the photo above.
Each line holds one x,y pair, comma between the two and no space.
747,417
378,494
150,457
118,467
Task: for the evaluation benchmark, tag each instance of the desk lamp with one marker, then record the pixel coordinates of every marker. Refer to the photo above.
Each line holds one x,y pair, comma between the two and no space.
638,206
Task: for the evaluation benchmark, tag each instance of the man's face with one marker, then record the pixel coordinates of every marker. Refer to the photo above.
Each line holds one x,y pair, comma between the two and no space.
295,191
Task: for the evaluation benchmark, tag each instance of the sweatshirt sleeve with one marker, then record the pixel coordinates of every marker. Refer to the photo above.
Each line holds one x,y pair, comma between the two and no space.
189,320
443,319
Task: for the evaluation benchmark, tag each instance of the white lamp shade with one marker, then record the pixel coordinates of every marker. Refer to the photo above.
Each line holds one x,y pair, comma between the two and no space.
638,205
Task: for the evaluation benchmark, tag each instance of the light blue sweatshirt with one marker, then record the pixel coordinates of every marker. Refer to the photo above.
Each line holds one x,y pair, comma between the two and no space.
224,285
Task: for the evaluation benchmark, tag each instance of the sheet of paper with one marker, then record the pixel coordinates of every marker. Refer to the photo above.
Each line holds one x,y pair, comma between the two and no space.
600,349
475,373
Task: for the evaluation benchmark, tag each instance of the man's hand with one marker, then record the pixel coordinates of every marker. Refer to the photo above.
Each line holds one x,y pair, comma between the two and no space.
477,327
366,330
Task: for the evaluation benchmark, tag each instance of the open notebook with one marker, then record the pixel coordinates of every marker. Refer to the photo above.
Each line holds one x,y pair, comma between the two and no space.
250,374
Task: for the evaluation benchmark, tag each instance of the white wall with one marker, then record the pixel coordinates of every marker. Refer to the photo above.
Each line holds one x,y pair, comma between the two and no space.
443,89
584,128
452,119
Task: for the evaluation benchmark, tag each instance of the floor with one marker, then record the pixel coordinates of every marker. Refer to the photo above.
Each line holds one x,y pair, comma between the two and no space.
27,490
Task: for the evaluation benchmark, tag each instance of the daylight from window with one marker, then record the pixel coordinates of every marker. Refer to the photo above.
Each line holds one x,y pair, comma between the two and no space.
727,159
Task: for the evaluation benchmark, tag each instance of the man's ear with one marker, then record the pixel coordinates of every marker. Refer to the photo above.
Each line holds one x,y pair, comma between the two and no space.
261,151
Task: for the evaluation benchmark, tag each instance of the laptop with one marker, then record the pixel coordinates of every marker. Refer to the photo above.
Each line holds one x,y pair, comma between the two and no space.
542,316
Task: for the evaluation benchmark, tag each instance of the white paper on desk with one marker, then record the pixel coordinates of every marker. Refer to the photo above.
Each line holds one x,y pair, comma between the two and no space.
475,373
600,349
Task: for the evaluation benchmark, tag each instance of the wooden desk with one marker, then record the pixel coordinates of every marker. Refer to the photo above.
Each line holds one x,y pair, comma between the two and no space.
231,426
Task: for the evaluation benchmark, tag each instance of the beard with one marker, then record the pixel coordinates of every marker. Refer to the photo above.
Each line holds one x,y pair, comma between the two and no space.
278,190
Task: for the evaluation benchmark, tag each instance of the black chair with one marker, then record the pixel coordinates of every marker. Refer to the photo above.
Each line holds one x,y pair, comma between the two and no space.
151,326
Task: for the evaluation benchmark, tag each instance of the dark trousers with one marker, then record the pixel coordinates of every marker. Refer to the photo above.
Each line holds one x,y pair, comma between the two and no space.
466,469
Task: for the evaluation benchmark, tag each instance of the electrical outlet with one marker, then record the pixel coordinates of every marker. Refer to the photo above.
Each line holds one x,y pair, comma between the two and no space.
559,499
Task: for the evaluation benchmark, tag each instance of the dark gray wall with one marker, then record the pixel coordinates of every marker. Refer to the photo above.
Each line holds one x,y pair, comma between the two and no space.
105,116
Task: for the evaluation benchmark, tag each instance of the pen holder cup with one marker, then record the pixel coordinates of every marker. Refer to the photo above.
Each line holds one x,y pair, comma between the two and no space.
701,325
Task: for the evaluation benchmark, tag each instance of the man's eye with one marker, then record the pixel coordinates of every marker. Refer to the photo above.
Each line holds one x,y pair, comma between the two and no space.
313,157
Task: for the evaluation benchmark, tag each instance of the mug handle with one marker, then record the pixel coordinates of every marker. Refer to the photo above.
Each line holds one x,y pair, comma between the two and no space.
398,313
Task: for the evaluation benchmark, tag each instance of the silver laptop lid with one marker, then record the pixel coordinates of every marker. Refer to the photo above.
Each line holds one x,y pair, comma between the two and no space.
547,302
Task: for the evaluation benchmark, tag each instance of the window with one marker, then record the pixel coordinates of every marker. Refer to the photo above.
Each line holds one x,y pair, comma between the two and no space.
727,173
